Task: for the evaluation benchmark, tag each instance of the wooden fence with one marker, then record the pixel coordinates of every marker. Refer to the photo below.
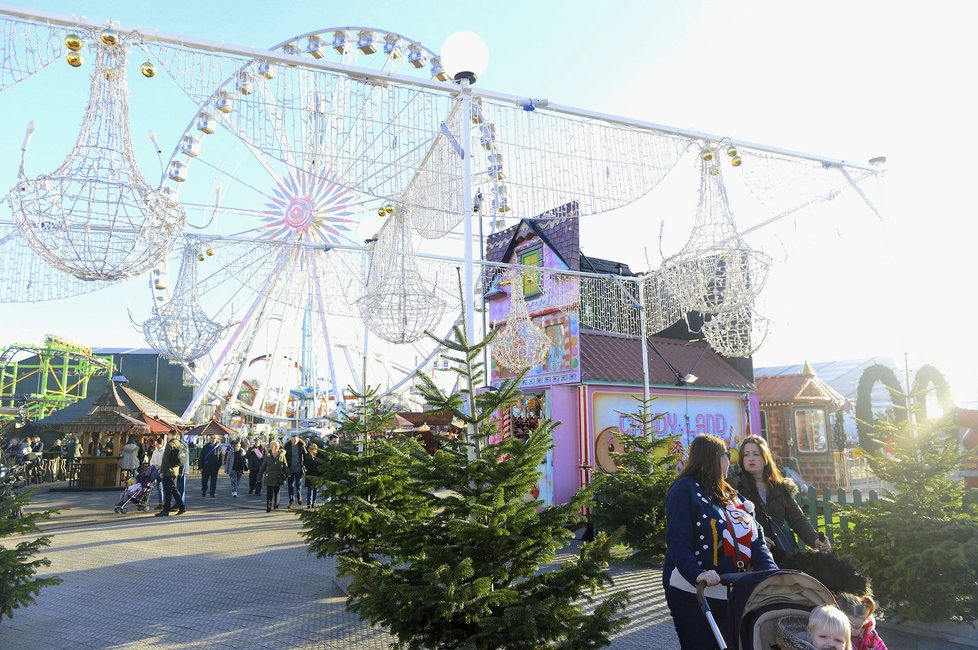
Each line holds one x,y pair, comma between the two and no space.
825,505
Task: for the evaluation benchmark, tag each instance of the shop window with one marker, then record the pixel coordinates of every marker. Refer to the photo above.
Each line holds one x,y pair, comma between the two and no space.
526,414
811,431
763,414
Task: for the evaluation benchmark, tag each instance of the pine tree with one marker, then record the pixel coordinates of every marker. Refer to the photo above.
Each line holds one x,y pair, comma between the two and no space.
919,542
634,496
361,482
18,586
466,573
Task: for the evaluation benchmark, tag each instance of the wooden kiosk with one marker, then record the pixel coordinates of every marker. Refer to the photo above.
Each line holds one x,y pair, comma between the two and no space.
101,434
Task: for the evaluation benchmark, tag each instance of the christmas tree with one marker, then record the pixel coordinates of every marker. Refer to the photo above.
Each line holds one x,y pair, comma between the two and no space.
919,542
18,565
470,569
633,497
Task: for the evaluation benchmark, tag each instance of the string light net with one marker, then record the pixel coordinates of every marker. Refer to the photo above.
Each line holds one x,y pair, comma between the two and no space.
95,217
180,330
610,305
520,344
738,333
397,306
662,308
28,49
716,271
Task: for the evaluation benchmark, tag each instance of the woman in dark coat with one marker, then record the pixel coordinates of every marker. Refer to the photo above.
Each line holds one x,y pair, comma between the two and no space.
773,495
709,531
254,457
273,467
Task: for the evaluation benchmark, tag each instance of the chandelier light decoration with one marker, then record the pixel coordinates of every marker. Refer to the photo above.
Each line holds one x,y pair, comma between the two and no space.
738,333
397,307
520,344
180,330
716,271
95,217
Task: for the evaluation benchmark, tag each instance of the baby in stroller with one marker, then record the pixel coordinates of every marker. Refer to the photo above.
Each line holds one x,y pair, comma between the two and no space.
138,489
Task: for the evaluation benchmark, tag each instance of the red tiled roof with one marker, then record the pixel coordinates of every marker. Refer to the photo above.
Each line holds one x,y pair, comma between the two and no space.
156,426
213,428
618,358
795,388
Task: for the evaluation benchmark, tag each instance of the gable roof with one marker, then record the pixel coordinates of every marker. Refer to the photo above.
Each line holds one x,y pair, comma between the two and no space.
213,428
105,422
558,229
607,357
802,388
146,406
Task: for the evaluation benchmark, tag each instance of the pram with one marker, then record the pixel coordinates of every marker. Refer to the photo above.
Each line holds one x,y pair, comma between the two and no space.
757,601
138,489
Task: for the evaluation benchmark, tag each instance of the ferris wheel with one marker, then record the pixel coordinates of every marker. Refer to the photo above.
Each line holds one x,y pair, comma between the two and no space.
284,173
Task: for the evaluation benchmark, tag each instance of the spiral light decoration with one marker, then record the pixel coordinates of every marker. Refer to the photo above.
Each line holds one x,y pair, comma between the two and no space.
520,344
95,217
180,330
397,307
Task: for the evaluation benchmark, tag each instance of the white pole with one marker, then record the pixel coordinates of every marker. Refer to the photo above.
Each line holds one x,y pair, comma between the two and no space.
644,336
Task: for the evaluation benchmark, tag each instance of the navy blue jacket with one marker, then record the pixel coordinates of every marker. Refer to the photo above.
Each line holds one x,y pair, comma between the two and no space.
698,537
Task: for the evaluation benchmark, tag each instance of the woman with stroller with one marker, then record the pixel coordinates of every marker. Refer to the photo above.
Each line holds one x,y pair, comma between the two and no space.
274,467
773,497
708,532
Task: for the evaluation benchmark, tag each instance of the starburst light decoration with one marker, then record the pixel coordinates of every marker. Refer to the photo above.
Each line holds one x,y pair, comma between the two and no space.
520,344
716,271
180,330
308,208
95,217
396,306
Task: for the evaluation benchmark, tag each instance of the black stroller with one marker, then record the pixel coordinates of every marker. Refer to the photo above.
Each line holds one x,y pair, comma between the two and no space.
757,601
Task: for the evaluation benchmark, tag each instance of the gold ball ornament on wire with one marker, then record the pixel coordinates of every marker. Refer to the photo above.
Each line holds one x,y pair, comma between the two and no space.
109,37
389,209
200,257
714,170
74,59
74,42
736,161
148,69
382,211
732,151
707,155
210,251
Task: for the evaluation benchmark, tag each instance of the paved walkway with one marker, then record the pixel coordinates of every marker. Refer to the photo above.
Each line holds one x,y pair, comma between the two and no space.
225,574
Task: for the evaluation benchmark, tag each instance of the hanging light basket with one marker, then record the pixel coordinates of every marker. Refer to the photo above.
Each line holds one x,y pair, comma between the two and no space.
520,344
95,217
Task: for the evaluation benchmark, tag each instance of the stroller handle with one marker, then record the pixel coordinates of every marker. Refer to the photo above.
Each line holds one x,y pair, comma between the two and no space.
705,606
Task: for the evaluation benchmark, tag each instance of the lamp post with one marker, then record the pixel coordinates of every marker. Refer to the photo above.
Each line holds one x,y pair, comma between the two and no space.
465,57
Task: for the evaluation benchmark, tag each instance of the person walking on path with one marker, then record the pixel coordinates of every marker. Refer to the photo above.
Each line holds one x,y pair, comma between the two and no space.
254,458
709,531
210,462
172,466
310,463
235,466
273,467
156,462
295,452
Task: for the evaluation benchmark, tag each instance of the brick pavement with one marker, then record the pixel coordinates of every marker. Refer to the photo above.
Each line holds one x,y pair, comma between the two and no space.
225,574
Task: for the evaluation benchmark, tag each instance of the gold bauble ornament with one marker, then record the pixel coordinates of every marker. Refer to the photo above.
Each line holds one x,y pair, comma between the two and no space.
707,155
74,59
200,257
389,209
74,42
109,37
210,251
381,211
148,69
714,170
731,151
736,161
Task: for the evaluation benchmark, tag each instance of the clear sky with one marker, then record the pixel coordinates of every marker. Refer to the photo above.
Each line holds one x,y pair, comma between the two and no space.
847,80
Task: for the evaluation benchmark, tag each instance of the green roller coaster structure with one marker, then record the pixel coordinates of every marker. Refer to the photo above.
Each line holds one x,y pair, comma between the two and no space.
36,380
